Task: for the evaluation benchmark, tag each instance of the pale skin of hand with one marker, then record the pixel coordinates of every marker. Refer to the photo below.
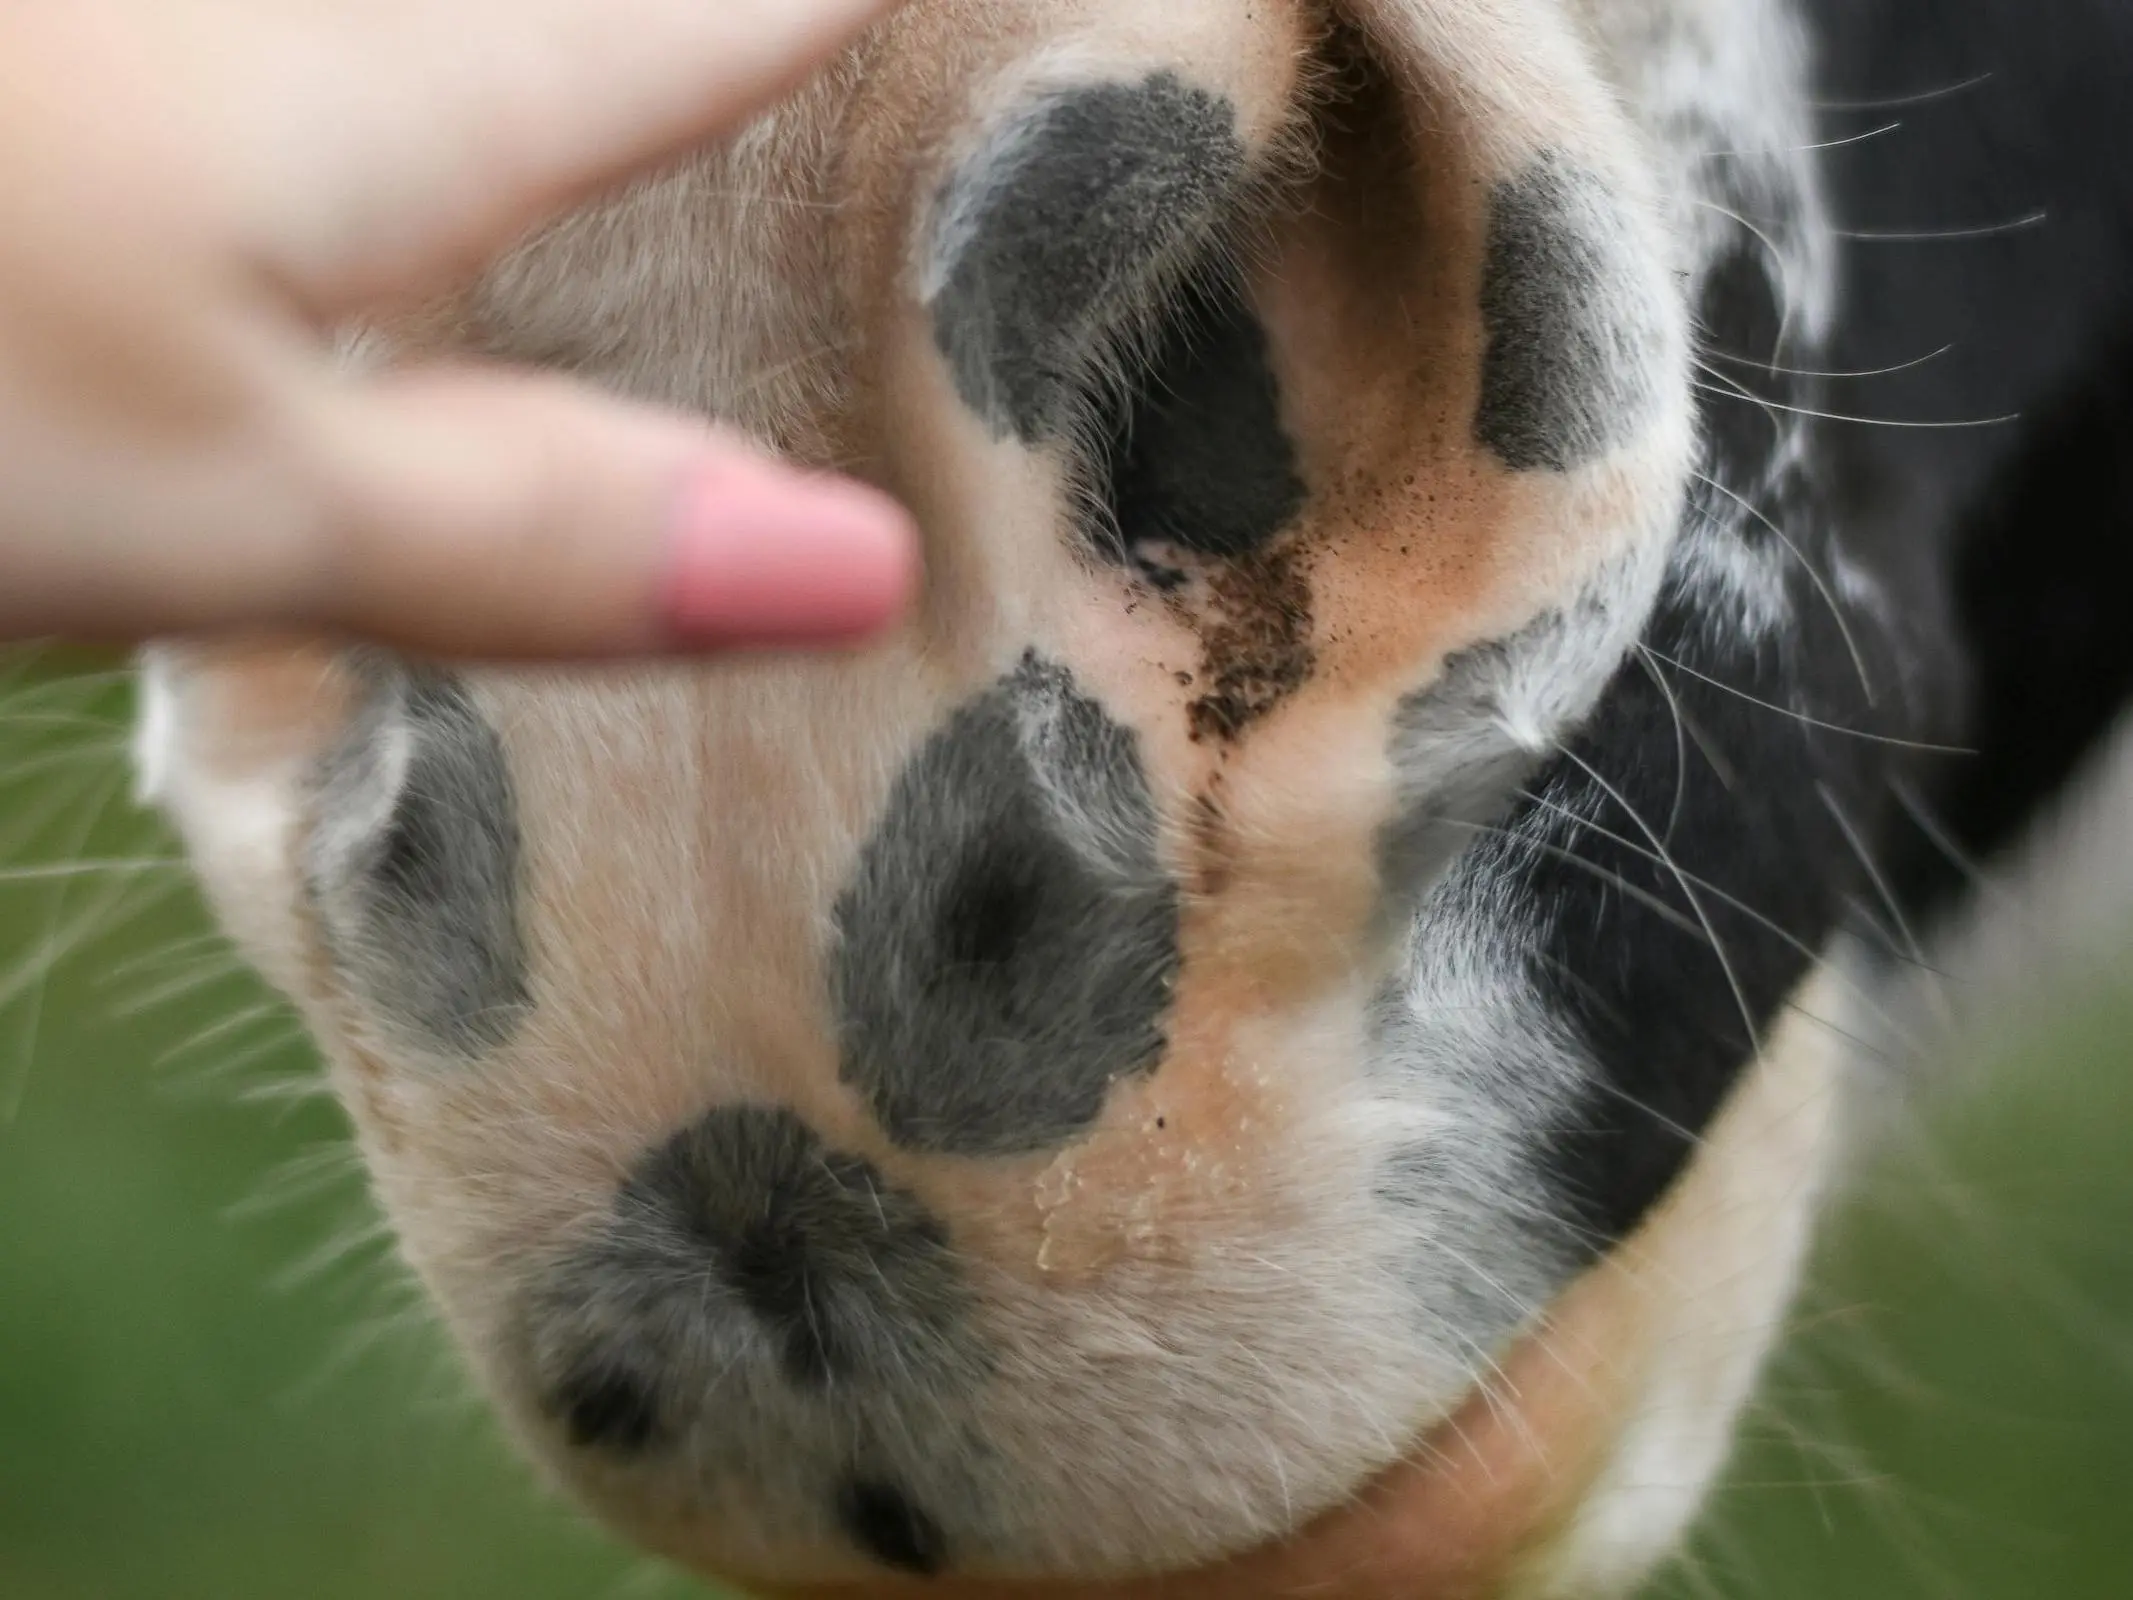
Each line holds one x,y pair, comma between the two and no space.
197,192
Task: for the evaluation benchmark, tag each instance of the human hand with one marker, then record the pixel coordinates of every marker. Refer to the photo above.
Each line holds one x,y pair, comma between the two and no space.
198,191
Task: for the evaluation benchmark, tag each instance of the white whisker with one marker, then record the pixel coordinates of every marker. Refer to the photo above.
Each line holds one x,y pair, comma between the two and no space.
1889,900
1990,230
1924,97
1666,860
68,871
1868,422
203,973
1814,576
1762,919
1808,149
1806,372
1800,716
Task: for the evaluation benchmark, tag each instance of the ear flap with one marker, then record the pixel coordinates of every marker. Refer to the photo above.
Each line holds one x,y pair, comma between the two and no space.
413,861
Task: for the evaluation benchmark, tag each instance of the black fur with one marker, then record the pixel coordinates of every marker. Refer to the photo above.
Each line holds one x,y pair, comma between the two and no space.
1689,820
1994,555
2043,581
1747,372
882,1520
2027,526
1693,850
1196,454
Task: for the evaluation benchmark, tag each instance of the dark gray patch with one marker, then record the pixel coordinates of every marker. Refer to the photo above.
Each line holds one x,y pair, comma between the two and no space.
744,1247
1568,373
414,862
1008,947
1195,453
884,1522
845,1275
1043,235
1753,403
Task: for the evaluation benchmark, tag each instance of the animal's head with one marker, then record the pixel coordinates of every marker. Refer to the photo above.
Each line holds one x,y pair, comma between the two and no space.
1083,1086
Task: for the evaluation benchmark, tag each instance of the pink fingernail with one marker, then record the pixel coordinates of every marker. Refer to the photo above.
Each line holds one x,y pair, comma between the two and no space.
771,557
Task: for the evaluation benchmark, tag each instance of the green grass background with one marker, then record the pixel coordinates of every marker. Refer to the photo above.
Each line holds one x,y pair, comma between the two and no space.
211,1387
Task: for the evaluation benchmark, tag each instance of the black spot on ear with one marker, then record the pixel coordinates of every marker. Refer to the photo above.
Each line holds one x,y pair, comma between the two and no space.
1007,949
414,863
1196,454
607,1408
1042,237
881,1520
1569,372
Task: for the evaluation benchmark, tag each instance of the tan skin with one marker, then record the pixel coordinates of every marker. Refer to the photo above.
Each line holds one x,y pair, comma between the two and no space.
198,188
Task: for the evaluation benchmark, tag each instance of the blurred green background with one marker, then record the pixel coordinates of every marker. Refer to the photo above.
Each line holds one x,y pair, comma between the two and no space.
213,1385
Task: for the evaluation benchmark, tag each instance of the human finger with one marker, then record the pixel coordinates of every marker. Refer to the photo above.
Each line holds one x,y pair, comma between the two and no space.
495,513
